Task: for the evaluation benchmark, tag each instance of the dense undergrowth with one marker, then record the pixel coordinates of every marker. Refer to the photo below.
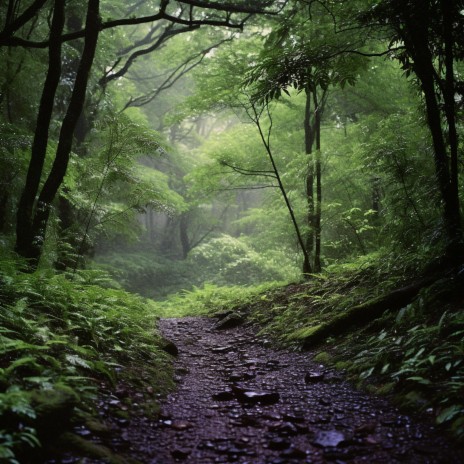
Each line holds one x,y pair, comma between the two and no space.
222,261
61,337
416,354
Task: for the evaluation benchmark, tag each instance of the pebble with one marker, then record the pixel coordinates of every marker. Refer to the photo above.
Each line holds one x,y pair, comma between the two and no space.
240,401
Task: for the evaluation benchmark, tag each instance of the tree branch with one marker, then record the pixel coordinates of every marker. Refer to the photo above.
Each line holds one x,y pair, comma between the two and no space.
231,8
192,23
20,21
172,78
249,172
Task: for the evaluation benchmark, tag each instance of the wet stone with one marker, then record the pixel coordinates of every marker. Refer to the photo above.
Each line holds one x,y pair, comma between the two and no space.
286,429
221,349
181,425
229,322
255,397
169,347
279,444
331,438
313,377
274,416
252,404
226,395
180,453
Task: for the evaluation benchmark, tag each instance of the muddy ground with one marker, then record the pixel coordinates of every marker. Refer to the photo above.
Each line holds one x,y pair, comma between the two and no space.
240,400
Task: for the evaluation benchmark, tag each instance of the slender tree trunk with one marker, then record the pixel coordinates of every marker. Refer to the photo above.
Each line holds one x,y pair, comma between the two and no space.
318,211
60,164
26,237
417,42
267,146
449,93
309,141
183,235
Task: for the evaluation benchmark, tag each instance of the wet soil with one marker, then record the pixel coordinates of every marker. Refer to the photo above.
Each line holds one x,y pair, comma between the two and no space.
240,400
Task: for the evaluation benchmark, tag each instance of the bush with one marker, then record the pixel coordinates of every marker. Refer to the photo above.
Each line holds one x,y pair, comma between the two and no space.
226,260
59,337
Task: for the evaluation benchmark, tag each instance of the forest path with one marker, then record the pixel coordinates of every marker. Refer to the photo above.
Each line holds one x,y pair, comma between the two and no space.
240,401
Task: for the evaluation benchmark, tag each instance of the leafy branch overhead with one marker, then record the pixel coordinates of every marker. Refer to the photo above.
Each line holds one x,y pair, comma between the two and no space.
303,55
190,13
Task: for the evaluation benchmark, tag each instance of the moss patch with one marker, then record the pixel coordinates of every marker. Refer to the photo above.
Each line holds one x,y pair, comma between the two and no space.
323,357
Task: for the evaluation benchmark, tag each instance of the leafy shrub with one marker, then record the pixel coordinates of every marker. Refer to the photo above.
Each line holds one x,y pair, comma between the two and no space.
59,338
226,260
421,351
210,299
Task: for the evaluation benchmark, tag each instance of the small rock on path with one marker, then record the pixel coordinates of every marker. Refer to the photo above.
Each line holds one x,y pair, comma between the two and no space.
238,401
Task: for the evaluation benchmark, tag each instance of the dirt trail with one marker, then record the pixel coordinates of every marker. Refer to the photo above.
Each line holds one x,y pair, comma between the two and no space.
240,401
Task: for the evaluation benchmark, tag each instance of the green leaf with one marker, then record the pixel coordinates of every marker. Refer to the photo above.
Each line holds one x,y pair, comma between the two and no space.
420,380
449,413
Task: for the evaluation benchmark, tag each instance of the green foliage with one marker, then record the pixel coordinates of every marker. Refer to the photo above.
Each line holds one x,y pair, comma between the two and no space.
415,353
221,261
305,55
226,260
396,151
109,188
147,272
420,349
58,339
14,152
210,299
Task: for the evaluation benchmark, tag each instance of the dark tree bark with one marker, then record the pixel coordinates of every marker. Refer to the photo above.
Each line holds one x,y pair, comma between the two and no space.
13,24
416,40
309,141
312,129
317,216
29,245
26,238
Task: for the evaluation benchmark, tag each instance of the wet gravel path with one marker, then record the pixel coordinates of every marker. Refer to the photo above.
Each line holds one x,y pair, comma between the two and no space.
239,400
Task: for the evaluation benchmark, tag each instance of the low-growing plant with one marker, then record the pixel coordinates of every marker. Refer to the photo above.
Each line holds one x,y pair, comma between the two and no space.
60,338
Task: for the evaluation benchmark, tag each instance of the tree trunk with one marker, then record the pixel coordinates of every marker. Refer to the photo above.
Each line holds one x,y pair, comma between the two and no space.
309,141
26,238
318,212
416,39
184,238
32,249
